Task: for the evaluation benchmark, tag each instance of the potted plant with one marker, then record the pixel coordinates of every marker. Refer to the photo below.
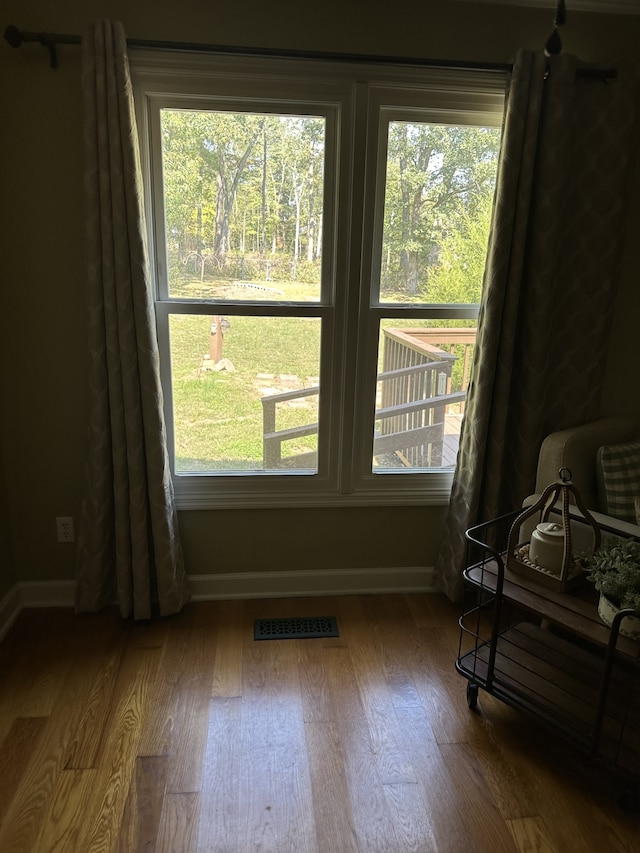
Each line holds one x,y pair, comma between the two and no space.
614,570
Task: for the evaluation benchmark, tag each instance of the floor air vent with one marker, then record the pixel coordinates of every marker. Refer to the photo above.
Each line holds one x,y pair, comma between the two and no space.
297,628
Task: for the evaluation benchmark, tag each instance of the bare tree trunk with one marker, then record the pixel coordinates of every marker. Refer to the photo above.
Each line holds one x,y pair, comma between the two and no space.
311,228
264,193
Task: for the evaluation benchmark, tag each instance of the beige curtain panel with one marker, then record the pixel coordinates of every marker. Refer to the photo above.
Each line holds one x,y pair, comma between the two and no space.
128,544
550,283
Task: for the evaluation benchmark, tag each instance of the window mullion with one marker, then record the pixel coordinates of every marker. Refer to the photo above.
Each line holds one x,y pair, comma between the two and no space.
353,240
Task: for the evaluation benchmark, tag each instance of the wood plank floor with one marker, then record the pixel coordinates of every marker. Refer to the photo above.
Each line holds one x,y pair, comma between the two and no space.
187,735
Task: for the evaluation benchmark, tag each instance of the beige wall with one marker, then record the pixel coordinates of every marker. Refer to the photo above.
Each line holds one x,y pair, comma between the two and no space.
42,345
7,562
622,389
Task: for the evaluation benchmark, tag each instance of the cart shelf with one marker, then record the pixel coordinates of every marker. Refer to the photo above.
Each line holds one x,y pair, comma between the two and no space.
551,678
576,611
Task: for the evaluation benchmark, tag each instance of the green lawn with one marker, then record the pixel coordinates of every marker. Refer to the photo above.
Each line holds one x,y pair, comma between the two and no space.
218,414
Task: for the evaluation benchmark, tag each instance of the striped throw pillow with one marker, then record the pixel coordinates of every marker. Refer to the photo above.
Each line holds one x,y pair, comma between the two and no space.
618,470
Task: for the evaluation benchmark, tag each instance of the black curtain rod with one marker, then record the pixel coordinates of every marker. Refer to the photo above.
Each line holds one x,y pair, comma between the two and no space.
17,37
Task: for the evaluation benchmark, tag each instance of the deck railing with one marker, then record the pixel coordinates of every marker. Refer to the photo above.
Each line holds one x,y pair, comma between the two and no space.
273,439
415,395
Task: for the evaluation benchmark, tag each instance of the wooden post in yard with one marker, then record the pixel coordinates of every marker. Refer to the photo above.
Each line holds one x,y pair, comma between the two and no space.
216,340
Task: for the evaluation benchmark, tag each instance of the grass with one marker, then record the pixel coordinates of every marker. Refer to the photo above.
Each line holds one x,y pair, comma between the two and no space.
218,414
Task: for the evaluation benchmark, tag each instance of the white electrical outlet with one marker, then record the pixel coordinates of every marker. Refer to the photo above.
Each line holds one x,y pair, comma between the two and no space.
64,526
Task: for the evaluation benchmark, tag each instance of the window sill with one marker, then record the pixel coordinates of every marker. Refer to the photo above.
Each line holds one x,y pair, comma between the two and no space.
199,493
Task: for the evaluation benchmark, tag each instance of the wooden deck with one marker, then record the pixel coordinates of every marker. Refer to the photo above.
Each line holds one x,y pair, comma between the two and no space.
415,396
452,425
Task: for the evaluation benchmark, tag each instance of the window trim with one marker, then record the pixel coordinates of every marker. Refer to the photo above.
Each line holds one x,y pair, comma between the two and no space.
352,321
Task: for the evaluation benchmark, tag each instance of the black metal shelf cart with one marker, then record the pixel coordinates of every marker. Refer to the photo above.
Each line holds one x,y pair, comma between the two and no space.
549,654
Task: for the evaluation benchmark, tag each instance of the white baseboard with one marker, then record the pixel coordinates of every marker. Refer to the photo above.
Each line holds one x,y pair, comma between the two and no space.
240,585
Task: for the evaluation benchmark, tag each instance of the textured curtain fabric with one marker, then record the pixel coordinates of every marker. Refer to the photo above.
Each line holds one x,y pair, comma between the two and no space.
128,545
549,288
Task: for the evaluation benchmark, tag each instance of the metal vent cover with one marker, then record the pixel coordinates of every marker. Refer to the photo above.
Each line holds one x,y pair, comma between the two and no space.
296,628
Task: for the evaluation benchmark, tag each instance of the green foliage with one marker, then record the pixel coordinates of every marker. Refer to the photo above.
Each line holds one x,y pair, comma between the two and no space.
250,186
458,275
615,571
241,183
437,177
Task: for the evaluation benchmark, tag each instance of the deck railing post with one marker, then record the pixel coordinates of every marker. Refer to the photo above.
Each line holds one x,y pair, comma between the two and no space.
271,450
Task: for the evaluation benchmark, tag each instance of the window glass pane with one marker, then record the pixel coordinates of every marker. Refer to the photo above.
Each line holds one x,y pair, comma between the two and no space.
243,204
245,393
437,208
423,374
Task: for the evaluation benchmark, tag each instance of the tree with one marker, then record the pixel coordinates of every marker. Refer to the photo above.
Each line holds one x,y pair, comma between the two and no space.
242,181
229,144
434,174
187,194
458,275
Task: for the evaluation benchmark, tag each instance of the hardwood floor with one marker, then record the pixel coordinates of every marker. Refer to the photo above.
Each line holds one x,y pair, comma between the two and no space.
187,735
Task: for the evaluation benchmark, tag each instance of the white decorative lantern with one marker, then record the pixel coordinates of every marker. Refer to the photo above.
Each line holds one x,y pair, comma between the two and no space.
549,557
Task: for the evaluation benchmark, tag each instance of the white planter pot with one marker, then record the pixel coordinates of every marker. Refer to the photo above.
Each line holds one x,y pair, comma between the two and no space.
630,625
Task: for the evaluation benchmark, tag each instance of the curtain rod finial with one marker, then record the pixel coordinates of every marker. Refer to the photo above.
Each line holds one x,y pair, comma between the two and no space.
16,38
553,45
13,36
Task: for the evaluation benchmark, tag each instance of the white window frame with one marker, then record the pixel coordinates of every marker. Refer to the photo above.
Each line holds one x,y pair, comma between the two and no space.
357,101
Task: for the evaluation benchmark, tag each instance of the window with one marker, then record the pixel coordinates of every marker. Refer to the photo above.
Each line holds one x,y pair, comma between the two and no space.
318,237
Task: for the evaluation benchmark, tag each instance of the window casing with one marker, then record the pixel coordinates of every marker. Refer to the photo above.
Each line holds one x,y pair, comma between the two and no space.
357,105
